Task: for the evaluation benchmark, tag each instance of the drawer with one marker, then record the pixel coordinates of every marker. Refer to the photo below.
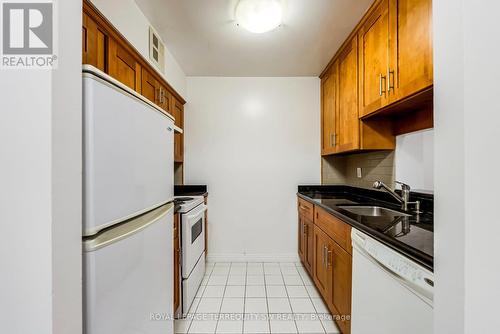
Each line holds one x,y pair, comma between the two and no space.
335,228
306,209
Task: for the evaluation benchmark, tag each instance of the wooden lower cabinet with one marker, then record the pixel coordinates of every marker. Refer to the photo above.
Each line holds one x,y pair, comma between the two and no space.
177,261
325,251
309,242
302,241
322,269
341,287
306,244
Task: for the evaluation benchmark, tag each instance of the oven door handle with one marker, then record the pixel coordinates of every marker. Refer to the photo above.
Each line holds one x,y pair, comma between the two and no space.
202,209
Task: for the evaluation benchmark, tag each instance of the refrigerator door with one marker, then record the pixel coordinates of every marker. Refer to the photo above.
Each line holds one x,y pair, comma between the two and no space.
128,282
128,154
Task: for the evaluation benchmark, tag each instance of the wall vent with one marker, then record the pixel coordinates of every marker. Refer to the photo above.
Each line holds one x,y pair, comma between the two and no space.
156,50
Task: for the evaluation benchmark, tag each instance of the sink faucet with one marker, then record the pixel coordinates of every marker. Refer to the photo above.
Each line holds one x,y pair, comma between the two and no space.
404,199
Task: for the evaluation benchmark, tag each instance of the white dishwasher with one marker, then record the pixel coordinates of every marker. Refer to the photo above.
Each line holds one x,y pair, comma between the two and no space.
391,294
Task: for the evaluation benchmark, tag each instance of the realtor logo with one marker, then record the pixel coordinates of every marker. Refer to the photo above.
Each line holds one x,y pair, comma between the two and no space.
27,34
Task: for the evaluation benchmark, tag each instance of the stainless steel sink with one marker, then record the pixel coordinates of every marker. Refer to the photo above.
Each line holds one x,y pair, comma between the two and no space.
373,211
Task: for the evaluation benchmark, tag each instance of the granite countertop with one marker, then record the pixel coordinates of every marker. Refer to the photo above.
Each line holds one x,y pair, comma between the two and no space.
190,190
411,236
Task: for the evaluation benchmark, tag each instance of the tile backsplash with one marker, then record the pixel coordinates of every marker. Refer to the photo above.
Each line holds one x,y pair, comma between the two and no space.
375,166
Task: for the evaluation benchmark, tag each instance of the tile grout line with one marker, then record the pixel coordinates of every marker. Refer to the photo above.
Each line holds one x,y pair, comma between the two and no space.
288,299
201,296
223,296
267,302
310,299
245,297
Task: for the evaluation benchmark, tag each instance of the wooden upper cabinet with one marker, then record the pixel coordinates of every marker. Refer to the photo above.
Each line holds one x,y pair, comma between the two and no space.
411,64
104,47
347,134
93,44
149,86
123,66
373,39
329,101
167,100
177,109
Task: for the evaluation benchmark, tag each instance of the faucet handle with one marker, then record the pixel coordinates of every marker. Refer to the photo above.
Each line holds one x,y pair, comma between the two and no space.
404,186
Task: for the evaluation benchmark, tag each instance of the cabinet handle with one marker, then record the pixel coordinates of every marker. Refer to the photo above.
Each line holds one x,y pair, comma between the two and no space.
389,73
324,256
381,86
331,139
334,139
328,253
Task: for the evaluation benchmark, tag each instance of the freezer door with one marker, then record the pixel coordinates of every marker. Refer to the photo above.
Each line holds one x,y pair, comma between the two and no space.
128,283
128,155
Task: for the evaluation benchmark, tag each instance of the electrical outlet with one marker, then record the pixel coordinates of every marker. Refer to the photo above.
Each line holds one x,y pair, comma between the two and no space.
359,173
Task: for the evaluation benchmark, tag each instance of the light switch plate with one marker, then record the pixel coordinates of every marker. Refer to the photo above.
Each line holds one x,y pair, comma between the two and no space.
359,173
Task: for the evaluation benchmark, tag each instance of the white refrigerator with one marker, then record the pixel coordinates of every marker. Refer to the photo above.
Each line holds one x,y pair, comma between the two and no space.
127,210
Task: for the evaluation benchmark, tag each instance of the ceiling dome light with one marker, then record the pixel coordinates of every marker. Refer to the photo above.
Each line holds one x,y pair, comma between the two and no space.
259,16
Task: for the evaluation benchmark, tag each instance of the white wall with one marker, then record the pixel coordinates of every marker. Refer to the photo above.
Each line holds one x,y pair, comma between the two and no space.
414,159
40,192
252,141
128,18
467,118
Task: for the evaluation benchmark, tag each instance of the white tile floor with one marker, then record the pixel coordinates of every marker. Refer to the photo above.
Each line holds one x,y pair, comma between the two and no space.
257,298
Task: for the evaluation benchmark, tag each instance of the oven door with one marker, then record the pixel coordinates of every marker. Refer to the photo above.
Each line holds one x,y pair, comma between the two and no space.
193,238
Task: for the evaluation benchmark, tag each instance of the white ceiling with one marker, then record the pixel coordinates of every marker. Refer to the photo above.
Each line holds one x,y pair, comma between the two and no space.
205,40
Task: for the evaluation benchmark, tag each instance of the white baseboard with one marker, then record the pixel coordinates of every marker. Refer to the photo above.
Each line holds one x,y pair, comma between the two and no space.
231,257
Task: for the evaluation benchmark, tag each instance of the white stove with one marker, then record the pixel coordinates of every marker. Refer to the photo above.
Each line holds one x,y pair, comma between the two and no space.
188,203
192,210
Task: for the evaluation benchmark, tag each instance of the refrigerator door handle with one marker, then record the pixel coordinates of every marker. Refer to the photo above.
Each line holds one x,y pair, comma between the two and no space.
125,229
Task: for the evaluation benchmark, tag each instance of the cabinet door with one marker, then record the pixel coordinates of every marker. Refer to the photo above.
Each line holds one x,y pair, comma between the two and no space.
178,113
329,110
149,86
348,118
302,246
322,272
177,263
123,66
342,282
309,245
374,60
93,44
168,103
411,68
